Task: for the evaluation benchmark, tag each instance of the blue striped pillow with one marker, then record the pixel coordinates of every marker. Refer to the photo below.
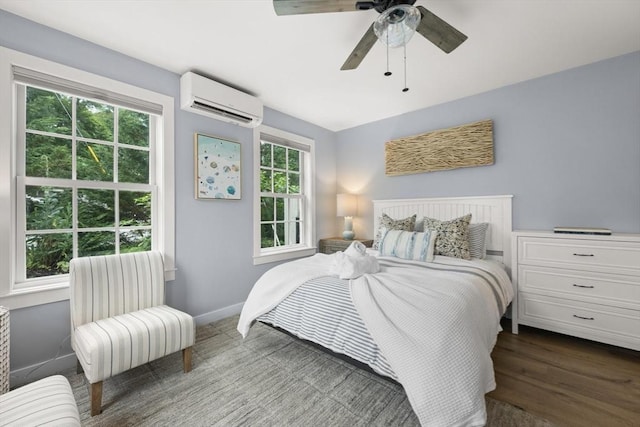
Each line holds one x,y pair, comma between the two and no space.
411,245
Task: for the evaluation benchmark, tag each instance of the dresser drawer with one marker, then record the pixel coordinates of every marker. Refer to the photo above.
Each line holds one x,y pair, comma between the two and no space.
592,321
591,255
611,289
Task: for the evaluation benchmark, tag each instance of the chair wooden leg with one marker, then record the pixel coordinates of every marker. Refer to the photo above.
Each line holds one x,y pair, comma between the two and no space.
186,359
96,398
79,368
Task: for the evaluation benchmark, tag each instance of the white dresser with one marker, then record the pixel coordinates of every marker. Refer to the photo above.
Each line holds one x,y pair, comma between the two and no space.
582,285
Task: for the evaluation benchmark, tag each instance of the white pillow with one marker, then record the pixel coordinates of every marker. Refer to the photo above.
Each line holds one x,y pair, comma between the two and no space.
410,245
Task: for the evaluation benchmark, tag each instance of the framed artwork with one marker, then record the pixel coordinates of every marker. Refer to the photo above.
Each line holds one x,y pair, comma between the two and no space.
218,168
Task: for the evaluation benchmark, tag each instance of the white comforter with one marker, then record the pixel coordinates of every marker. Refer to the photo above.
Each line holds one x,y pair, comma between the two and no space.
436,328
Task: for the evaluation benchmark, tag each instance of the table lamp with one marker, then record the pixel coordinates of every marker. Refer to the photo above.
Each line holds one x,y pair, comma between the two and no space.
347,206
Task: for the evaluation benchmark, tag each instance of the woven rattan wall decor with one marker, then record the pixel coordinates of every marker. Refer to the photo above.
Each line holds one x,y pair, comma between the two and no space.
457,147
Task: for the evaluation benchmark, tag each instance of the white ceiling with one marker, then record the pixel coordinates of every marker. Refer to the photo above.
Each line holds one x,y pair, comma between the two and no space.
293,62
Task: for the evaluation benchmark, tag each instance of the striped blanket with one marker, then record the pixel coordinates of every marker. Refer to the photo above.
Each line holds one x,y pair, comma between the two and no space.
321,311
430,325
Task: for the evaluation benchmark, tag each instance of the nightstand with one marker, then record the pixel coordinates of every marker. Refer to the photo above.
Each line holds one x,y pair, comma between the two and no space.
335,244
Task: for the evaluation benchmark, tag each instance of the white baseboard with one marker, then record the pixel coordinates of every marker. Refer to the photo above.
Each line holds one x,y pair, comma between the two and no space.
221,313
29,374
41,370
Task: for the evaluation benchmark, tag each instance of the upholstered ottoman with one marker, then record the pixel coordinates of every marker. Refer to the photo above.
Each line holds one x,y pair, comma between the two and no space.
47,402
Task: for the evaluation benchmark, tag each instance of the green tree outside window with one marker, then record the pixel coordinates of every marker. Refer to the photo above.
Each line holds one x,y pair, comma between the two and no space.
74,140
279,179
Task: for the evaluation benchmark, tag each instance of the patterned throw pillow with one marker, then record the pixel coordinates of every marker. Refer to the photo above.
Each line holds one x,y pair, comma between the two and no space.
389,223
478,240
453,236
408,244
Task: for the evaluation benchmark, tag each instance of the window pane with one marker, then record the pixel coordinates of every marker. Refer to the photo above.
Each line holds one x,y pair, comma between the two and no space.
294,160
48,111
293,210
265,154
96,243
280,238
294,183
133,128
96,208
48,157
135,208
279,209
133,165
279,157
135,241
94,162
266,208
48,254
94,120
265,180
293,232
48,208
266,236
280,182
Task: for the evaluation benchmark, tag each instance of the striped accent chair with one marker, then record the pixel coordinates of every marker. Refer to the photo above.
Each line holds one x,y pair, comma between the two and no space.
118,317
47,402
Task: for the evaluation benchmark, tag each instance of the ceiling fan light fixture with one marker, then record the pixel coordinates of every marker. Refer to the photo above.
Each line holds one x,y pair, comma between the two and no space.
396,25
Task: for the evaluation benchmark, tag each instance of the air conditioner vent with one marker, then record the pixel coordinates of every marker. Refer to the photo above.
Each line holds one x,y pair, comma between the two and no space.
204,96
219,111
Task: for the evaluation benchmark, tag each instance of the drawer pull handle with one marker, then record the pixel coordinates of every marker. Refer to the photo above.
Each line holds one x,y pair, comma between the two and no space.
584,286
583,318
583,254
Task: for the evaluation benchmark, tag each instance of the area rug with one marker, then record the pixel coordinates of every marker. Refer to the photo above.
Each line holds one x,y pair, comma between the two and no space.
268,379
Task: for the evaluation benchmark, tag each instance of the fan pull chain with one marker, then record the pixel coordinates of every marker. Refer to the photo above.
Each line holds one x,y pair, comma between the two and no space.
388,73
406,89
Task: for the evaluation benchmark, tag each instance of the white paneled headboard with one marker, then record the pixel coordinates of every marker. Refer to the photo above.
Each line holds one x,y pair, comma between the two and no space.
496,210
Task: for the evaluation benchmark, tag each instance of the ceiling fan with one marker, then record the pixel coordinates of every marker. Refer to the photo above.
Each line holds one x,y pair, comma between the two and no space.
391,12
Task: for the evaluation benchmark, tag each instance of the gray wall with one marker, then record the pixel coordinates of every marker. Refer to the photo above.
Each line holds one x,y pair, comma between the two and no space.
567,146
213,238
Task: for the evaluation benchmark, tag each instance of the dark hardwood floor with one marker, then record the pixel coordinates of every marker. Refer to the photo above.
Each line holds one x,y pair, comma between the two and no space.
567,380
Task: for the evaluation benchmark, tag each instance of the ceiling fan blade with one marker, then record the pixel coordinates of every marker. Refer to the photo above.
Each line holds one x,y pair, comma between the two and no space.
299,7
362,48
439,32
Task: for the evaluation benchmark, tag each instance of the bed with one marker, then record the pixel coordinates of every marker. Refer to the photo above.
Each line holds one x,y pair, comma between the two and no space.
430,326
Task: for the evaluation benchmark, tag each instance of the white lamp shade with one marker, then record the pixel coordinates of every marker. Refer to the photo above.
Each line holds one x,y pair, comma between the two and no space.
347,205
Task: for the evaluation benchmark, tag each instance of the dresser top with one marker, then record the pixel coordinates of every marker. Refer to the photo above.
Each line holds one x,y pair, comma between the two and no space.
550,234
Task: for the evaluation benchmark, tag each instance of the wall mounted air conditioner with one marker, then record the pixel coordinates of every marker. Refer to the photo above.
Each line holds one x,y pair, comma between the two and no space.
212,99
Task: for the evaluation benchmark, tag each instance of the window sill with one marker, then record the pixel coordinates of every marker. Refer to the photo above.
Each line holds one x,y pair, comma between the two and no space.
35,296
48,293
283,255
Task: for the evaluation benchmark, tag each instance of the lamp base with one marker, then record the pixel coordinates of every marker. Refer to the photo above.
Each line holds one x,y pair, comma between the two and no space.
348,235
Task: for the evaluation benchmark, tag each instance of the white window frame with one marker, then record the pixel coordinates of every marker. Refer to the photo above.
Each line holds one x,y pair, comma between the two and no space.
16,295
308,229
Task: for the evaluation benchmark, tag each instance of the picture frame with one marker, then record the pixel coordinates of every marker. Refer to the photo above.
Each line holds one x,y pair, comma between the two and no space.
218,168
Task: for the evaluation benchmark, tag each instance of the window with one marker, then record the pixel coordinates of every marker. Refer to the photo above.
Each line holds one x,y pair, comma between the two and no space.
281,200
92,174
284,212
84,184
